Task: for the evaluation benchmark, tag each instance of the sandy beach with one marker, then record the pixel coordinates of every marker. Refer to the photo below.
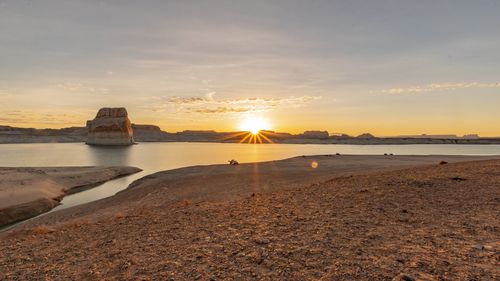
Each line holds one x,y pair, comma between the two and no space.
27,192
306,218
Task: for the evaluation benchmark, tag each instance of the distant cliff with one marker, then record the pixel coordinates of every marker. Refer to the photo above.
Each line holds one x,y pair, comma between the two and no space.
10,134
151,133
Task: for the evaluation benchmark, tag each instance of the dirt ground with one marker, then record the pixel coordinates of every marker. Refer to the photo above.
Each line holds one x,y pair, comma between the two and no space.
439,222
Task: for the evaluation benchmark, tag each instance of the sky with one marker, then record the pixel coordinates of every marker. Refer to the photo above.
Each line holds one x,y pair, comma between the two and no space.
388,67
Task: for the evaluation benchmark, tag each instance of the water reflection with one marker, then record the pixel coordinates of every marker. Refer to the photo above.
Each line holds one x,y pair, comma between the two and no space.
110,156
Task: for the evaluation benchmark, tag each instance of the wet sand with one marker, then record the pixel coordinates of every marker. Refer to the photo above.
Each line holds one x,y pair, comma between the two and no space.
351,217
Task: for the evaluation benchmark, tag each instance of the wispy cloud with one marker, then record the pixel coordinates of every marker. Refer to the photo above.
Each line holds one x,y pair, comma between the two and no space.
439,87
5,97
23,117
81,87
209,105
190,100
4,93
220,109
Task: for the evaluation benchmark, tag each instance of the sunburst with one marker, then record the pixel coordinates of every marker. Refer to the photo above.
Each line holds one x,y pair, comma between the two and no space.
259,137
254,124
254,130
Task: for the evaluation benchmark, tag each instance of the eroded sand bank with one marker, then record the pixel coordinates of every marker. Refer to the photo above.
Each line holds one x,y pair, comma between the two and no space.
27,192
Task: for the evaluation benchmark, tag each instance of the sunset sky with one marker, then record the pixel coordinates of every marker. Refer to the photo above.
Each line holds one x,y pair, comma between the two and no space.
384,67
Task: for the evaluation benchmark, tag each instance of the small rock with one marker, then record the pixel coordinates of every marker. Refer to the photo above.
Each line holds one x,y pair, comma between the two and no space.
488,248
483,247
407,278
478,247
255,257
404,217
262,241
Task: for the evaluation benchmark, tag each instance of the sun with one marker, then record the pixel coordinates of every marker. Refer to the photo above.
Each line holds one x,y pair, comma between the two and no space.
254,124
254,130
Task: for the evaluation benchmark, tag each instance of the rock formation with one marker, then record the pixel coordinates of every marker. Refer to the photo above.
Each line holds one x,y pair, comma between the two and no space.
315,135
366,136
149,133
111,126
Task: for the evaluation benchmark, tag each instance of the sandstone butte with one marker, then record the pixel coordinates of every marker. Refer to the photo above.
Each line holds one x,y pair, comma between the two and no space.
111,126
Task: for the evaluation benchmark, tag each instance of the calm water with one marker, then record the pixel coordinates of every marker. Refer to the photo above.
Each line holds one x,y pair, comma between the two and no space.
154,157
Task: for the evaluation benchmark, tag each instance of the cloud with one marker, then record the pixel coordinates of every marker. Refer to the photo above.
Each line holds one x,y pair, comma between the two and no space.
5,97
4,93
220,109
80,87
440,87
176,100
184,101
209,105
28,117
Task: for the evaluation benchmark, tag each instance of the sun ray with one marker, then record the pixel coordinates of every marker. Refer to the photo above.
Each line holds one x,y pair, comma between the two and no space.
258,138
262,135
235,135
248,136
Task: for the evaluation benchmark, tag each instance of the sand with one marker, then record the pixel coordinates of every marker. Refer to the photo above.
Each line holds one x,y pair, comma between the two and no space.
225,182
351,218
27,192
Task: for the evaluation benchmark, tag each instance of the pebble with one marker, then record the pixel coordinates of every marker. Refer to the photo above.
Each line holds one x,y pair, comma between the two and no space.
404,217
407,278
262,241
483,247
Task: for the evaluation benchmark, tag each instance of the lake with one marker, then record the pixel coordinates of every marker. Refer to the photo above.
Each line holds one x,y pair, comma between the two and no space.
154,157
